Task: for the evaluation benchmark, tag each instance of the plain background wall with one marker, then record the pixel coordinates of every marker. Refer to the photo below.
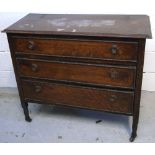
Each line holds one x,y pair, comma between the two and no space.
11,11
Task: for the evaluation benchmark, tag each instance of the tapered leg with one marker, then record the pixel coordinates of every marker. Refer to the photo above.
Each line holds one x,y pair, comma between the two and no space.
139,76
134,128
133,136
26,111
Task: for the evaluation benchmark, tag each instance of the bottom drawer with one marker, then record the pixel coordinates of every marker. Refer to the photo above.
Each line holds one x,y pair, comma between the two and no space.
77,96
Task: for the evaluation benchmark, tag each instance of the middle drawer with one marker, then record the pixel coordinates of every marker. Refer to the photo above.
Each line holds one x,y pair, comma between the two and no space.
104,75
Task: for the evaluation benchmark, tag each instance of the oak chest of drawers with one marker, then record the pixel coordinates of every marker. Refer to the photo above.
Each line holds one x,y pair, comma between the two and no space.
83,61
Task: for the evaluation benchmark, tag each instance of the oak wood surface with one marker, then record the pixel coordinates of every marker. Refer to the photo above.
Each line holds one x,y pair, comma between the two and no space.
116,76
75,96
85,61
114,50
129,26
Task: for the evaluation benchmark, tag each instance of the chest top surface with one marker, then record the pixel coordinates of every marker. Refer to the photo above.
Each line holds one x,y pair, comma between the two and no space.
132,26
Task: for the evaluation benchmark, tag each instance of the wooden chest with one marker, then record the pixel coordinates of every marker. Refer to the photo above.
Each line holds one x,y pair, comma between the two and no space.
83,61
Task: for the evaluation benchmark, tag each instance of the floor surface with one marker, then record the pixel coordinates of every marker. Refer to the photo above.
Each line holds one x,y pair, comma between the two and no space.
56,124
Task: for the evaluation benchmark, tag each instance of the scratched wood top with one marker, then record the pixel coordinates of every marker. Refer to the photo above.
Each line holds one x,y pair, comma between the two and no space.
132,26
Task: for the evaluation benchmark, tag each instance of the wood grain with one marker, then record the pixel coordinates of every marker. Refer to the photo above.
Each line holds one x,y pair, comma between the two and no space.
116,76
126,26
85,49
92,63
84,97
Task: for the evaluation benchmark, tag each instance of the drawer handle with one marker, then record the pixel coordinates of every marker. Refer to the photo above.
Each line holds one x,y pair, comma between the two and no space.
113,74
34,67
31,45
38,89
114,49
113,98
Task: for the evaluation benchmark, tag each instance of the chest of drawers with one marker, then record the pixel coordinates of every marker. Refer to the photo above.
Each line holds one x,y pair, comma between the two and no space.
82,61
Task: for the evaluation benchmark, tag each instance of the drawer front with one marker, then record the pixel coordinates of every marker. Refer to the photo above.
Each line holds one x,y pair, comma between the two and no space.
81,49
86,73
76,96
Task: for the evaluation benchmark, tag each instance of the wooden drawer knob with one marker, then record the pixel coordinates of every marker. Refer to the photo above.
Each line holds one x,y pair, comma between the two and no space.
113,98
114,50
34,67
114,74
31,45
38,89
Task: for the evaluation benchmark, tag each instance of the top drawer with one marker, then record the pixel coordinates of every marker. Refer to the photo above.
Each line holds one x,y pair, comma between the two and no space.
114,50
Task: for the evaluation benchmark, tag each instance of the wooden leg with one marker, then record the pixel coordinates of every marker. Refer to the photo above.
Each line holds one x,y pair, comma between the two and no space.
26,111
133,136
134,128
139,76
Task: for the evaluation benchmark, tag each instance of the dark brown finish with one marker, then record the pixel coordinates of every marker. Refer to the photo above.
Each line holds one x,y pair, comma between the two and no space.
129,26
138,88
115,50
84,61
83,97
116,76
